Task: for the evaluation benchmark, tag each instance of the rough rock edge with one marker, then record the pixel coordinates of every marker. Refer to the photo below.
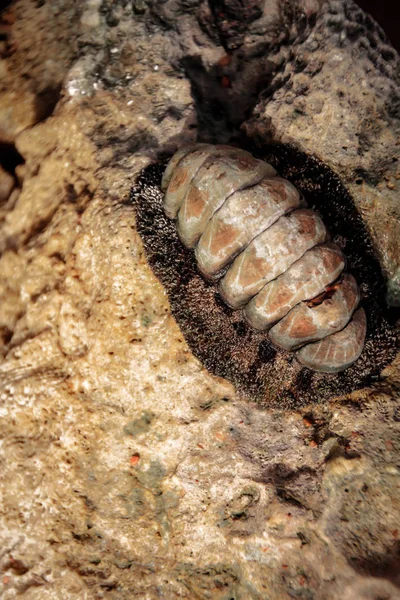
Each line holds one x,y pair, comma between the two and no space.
75,511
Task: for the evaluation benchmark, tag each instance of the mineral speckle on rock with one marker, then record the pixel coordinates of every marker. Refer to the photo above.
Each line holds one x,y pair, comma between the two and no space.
128,469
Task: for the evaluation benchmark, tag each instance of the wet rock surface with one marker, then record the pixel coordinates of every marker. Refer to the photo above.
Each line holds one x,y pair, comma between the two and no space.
128,469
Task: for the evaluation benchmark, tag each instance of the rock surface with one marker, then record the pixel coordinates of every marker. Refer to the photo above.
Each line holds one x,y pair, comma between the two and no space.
128,470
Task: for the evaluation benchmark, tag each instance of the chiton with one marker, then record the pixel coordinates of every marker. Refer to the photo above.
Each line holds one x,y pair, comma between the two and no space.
251,229
263,293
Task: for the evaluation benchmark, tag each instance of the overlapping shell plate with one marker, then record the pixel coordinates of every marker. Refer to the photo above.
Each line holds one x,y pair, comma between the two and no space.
268,253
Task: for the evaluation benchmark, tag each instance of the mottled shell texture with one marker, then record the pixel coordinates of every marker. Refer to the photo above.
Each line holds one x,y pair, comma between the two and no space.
268,253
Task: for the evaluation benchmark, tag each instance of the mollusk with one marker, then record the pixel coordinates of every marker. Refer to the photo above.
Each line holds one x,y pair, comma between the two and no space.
269,254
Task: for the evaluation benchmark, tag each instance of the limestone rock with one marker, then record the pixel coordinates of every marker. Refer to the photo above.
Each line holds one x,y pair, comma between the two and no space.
128,470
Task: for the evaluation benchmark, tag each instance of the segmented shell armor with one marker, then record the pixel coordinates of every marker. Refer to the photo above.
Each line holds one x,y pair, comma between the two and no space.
269,254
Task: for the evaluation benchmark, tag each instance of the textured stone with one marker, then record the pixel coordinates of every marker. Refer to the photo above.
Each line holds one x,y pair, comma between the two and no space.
312,108
128,470
7,183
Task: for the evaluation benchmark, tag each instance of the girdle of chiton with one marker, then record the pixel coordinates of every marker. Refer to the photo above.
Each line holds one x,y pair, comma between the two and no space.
219,336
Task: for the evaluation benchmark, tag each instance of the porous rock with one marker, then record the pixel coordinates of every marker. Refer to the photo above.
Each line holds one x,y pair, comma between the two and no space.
352,126
127,468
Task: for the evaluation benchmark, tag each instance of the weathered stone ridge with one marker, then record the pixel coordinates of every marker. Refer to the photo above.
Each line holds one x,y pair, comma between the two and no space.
128,469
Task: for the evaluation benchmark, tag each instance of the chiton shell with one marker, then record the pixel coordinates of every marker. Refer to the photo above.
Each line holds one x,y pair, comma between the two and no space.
234,343
270,254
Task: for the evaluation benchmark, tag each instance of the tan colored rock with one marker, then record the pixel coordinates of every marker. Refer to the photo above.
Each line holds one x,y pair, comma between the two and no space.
17,113
128,470
7,184
52,185
314,111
